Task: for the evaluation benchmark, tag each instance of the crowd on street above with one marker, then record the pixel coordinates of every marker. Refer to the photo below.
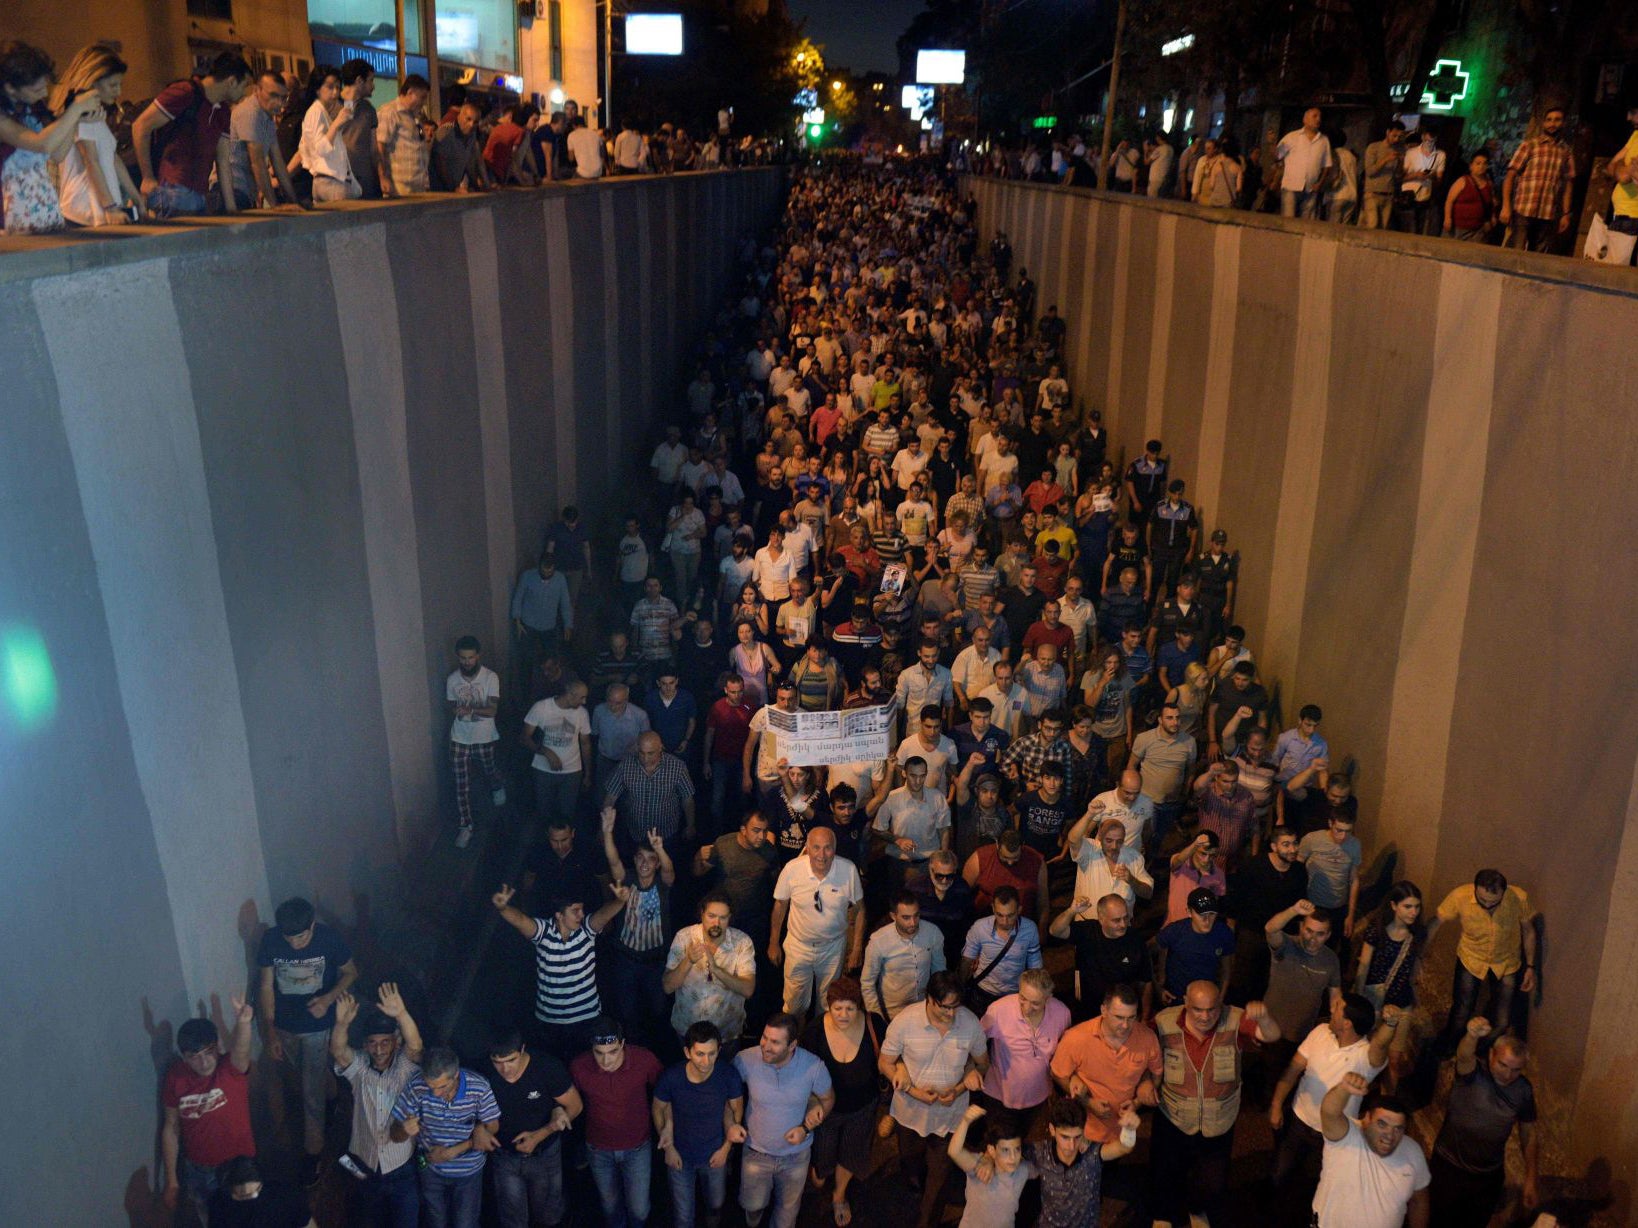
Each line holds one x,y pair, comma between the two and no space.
1403,180
1098,920
232,138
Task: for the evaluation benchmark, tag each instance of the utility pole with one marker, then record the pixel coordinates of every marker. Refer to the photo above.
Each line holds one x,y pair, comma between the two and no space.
1109,101
398,21
429,44
608,65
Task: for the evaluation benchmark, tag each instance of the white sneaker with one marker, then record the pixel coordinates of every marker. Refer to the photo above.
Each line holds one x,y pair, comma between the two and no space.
498,797
463,838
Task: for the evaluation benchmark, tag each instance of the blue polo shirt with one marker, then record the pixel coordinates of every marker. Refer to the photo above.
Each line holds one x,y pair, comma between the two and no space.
1191,956
447,1122
670,723
777,1098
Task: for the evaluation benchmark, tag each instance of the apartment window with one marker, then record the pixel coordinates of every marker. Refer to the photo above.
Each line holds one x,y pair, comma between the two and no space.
554,26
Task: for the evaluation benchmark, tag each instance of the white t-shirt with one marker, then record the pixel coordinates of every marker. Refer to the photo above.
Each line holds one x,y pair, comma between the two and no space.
667,461
861,774
818,913
77,196
586,148
971,674
773,575
939,760
633,560
1327,1063
479,691
1360,1189
560,732
908,466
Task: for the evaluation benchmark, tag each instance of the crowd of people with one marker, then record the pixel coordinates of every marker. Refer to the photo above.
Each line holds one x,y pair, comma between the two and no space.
233,138
1403,180
762,982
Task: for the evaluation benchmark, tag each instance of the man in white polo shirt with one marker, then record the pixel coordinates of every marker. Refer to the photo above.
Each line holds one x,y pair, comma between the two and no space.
1344,1044
820,895
1374,1176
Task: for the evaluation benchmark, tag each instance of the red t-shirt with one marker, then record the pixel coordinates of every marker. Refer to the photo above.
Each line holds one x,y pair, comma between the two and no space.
214,1112
503,143
731,728
1060,637
617,1103
190,140
1245,1037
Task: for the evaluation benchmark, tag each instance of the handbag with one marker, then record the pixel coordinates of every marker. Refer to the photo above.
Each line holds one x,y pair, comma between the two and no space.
1607,246
1377,995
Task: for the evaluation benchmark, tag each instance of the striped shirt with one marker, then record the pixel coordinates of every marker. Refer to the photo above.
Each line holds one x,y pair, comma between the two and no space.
881,441
975,582
445,1123
653,800
565,974
963,504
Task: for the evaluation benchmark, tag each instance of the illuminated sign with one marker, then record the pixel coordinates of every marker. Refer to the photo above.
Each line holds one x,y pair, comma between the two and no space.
1044,121
814,115
1177,44
806,98
1447,85
917,97
941,67
654,34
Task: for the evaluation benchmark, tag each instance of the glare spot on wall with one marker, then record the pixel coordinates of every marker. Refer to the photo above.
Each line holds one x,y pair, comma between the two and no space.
28,684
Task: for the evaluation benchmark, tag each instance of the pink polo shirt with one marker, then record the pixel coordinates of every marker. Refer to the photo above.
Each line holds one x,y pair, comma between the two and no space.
1020,1074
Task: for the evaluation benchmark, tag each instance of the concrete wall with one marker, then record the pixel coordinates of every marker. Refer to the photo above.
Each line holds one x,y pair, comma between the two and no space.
1424,452
256,478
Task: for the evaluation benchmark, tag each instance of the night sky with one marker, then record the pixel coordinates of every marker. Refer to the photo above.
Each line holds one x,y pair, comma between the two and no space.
857,34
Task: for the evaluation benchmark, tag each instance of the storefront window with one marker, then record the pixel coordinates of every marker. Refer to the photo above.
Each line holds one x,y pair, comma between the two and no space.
365,23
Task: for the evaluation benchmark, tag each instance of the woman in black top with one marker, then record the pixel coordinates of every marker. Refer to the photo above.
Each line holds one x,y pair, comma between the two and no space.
845,1039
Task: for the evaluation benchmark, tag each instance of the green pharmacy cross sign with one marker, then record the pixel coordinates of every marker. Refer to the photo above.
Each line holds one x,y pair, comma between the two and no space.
1447,85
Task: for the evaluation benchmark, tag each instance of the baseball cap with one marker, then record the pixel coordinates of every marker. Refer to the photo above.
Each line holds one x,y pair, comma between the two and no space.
1219,535
1203,899
987,779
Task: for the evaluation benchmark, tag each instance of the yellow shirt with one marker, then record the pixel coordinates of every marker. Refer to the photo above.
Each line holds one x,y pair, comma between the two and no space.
1063,535
1491,942
1625,195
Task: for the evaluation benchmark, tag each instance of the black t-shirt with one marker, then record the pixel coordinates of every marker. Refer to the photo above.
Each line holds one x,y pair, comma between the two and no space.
1042,823
555,876
1020,609
1229,701
1260,891
528,1103
277,1206
746,877
1103,962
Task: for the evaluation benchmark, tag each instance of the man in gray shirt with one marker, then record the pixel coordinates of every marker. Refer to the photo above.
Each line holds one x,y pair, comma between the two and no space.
1333,858
1304,976
254,145
1384,164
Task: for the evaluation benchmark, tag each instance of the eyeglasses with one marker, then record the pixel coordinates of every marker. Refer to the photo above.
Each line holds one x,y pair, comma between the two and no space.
941,878
818,901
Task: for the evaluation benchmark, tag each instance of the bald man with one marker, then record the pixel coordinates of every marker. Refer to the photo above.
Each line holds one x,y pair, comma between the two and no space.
1194,1130
651,791
818,921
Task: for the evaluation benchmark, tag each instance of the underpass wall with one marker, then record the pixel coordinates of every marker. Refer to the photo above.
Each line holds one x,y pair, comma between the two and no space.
257,476
1424,452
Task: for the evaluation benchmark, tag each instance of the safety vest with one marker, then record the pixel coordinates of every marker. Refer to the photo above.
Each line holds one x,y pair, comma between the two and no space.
1205,1100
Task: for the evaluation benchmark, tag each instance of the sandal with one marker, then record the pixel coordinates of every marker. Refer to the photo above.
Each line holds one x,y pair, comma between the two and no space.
842,1213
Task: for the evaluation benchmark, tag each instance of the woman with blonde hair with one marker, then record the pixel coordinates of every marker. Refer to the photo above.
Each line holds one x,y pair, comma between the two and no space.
1191,696
30,140
93,186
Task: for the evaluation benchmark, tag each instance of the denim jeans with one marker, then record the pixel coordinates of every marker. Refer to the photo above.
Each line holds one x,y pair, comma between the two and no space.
727,799
197,1184
557,795
622,1179
391,1200
174,200
1465,991
451,1202
1166,816
309,1054
685,1183
528,1188
779,1179
635,995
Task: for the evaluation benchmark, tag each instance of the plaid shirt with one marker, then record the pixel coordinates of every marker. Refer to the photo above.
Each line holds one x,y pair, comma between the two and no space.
654,801
1543,165
961,504
1032,751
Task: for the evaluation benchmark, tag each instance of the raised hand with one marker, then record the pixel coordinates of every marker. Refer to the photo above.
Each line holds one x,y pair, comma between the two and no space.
346,1009
390,1001
1356,1083
1303,908
1256,1011
1478,1027
656,841
973,1113
503,897
243,1011
608,815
